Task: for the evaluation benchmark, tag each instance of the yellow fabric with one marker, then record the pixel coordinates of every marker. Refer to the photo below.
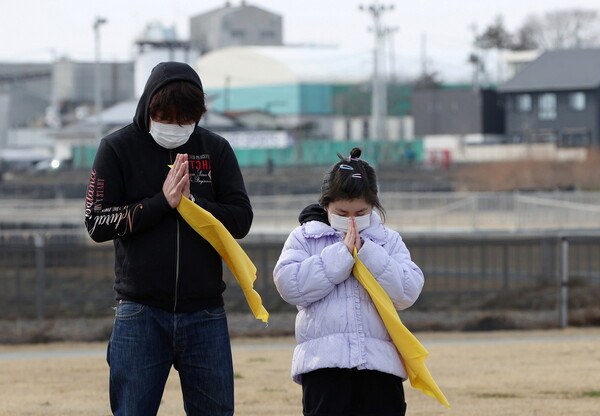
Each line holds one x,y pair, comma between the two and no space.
211,229
413,353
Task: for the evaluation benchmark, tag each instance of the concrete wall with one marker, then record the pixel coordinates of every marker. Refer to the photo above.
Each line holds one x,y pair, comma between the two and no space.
470,149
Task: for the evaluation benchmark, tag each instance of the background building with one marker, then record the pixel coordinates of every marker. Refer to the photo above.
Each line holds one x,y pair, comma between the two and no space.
37,100
159,43
234,26
457,110
25,91
555,99
319,92
73,84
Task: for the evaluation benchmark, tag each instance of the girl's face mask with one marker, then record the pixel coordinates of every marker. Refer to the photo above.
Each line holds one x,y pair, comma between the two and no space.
340,223
170,136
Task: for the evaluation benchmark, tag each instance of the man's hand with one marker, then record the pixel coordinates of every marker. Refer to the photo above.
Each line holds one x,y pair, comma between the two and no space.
177,182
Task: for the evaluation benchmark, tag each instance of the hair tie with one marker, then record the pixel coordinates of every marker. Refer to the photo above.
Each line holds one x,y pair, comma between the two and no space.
343,158
347,159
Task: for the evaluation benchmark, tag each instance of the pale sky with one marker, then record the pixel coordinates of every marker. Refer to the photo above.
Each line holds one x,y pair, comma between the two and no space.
41,30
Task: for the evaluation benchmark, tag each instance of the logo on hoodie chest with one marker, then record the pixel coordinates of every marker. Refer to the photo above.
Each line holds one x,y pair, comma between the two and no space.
200,168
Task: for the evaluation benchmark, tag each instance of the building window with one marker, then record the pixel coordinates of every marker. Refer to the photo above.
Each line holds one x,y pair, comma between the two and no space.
547,106
524,103
238,34
508,103
365,129
577,101
573,137
267,35
516,137
545,136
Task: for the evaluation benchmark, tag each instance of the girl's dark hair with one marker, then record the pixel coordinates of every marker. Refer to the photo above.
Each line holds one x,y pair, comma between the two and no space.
179,101
351,178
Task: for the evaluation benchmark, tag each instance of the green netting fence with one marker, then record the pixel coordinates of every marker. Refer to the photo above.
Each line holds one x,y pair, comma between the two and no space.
305,153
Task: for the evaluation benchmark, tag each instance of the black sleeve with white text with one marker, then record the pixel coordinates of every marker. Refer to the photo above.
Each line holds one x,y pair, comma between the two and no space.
107,215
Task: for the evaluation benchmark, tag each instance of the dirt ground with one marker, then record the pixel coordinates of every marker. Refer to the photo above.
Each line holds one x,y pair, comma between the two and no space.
507,373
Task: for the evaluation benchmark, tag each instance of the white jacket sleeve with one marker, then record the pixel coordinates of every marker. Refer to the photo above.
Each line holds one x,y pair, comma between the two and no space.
393,268
303,277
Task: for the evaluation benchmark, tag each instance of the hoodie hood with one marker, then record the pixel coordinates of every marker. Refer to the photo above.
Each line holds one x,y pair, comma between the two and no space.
161,75
313,212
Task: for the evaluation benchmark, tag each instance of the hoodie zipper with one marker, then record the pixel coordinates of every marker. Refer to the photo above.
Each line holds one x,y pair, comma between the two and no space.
176,268
177,253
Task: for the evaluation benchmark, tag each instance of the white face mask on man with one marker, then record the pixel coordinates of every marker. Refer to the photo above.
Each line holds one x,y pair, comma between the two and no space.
340,223
170,136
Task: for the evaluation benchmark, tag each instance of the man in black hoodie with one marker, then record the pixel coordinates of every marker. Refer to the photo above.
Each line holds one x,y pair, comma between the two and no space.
168,279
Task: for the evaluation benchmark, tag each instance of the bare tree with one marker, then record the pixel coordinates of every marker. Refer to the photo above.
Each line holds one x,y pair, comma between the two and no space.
561,29
495,36
524,39
427,81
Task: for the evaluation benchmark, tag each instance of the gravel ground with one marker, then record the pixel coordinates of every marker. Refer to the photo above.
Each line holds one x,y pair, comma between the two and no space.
508,373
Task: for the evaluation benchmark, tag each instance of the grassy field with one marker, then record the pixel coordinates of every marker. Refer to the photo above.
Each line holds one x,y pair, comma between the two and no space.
549,373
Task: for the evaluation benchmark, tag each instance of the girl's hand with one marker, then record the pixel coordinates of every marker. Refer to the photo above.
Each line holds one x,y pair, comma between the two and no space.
177,181
352,238
357,240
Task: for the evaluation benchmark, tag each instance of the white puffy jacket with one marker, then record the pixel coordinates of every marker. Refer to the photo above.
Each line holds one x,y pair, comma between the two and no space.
337,324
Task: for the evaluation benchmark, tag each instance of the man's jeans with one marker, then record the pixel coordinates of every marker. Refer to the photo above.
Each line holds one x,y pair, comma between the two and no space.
146,341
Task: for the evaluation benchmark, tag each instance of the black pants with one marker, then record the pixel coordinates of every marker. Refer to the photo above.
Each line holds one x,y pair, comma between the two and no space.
351,392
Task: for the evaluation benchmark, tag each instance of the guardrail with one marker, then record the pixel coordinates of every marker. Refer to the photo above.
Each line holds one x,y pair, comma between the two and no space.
64,274
406,211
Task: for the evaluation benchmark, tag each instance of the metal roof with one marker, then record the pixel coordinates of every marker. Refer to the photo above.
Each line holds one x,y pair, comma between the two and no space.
568,69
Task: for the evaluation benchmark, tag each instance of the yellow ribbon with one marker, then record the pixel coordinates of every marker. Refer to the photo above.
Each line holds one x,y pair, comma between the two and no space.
412,352
211,229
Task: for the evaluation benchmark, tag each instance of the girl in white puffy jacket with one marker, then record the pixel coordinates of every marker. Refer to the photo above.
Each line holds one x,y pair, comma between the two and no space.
345,359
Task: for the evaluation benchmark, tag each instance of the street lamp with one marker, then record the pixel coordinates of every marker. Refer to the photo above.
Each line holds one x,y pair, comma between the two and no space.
97,77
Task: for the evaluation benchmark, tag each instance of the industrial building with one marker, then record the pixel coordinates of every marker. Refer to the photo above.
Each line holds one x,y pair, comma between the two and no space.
38,99
321,92
235,26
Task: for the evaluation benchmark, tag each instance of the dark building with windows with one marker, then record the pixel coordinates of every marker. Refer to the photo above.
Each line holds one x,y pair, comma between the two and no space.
555,98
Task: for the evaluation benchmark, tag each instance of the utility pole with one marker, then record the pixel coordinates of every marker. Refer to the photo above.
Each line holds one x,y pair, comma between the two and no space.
424,70
379,90
98,78
53,116
226,93
477,60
